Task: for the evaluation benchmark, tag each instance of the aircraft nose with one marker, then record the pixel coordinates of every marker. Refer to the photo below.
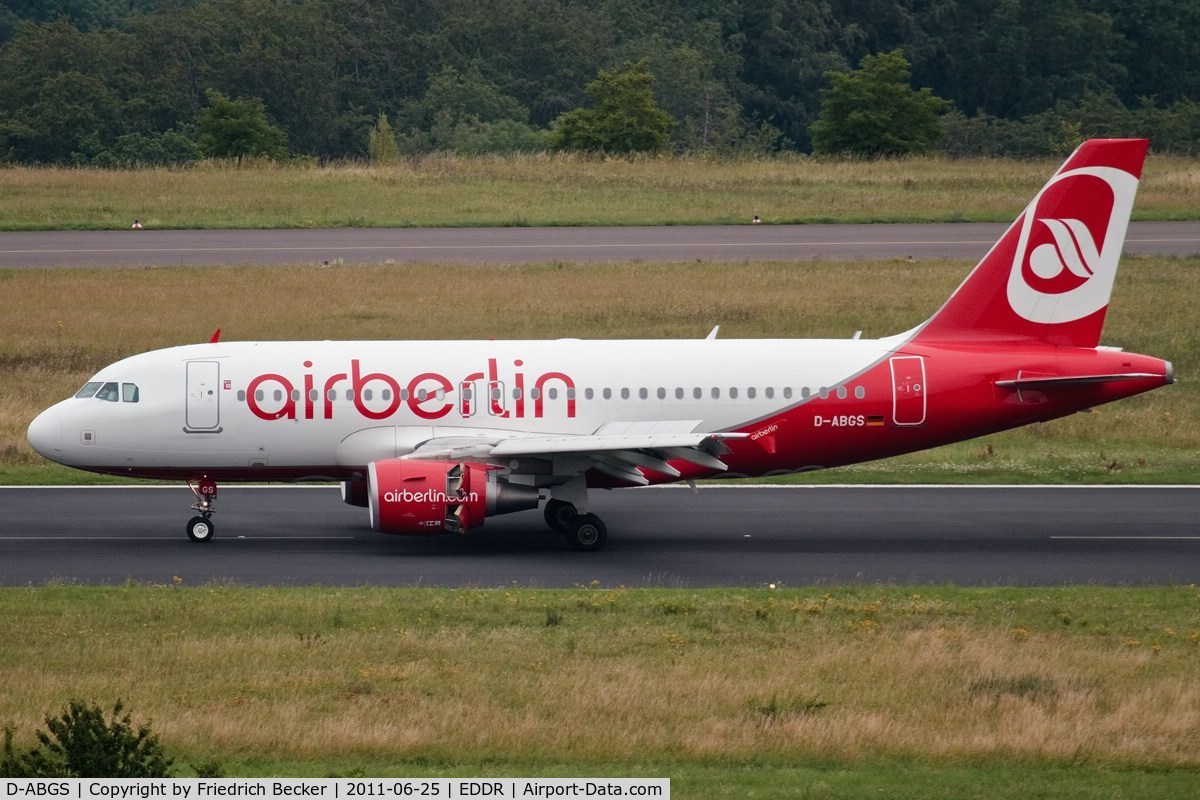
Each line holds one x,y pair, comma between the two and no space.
45,434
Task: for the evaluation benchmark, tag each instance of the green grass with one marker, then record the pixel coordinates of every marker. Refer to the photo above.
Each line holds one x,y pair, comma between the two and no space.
444,190
797,691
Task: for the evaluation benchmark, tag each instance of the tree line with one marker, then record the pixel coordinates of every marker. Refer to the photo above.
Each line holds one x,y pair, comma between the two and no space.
143,81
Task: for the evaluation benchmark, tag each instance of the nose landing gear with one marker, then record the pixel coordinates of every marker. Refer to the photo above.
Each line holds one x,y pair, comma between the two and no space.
201,528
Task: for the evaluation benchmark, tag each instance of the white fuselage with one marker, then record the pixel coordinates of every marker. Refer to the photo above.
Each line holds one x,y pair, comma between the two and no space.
292,405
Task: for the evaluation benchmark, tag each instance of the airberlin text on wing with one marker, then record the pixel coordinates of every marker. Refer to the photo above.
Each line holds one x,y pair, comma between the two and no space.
427,395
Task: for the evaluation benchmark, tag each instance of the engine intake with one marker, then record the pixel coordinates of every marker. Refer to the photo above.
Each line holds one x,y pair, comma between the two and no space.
422,498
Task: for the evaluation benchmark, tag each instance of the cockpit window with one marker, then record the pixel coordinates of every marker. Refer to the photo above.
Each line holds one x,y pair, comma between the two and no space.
109,392
129,392
89,389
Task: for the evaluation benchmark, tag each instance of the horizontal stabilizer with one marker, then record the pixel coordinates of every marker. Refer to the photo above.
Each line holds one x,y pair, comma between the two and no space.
1043,382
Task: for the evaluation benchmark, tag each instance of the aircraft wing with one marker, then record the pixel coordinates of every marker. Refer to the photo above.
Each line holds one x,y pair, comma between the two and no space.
616,449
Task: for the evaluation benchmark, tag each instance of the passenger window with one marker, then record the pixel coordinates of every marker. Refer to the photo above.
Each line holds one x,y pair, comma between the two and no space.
841,392
608,394
860,392
716,393
642,393
89,389
787,393
589,393
733,393
535,393
242,395
750,392
678,392
662,393
697,393
805,393
624,394
108,392
553,393
770,392
570,393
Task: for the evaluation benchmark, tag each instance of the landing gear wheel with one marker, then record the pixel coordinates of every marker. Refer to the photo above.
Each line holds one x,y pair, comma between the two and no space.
200,529
586,532
559,514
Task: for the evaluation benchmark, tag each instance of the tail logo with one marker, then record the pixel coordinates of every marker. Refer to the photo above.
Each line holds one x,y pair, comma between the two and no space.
1074,250
1070,242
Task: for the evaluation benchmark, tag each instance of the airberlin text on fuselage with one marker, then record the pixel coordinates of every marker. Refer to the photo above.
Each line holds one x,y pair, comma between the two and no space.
427,394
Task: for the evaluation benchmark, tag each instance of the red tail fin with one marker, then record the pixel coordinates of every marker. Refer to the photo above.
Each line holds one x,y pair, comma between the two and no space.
1050,275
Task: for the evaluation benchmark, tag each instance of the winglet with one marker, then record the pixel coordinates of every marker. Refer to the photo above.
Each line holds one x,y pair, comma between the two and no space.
216,337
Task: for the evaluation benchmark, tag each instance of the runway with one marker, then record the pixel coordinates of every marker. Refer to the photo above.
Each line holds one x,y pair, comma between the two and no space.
148,248
720,536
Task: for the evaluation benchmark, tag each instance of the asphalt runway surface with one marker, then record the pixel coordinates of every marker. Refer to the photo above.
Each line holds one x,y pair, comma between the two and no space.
720,536
146,248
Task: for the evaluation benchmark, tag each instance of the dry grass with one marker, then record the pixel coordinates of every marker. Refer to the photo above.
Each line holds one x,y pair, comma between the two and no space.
1085,676
555,190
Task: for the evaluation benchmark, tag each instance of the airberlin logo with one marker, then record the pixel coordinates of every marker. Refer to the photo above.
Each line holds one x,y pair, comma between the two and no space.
508,393
407,496
1071,239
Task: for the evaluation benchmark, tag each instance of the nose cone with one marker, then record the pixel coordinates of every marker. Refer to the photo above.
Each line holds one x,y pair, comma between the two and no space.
45,434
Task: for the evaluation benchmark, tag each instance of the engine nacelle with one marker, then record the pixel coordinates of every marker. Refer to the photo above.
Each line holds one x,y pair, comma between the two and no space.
423,498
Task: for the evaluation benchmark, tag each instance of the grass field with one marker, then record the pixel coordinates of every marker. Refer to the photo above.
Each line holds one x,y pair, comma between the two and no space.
58,327
810,692
556,190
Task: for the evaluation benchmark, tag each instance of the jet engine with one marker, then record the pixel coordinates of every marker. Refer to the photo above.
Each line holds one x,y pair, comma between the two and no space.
421,498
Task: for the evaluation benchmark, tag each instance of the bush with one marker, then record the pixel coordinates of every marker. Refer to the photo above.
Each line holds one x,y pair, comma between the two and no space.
82,744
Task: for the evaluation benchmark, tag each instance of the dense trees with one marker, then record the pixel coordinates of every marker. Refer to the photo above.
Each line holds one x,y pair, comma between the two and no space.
107,81
875,111
623,117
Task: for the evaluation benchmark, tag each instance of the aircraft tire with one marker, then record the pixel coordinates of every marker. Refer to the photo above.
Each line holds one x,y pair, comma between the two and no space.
200,529
559,514
587,533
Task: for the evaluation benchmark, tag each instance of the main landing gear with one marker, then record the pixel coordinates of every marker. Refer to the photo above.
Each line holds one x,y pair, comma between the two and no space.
201,528
585,532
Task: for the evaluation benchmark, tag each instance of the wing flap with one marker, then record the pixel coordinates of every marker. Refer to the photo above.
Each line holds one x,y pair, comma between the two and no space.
618,449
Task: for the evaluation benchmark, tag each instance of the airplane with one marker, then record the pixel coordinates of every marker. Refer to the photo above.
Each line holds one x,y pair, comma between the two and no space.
433,437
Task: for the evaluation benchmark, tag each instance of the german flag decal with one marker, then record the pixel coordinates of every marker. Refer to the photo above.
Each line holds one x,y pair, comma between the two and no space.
875,421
